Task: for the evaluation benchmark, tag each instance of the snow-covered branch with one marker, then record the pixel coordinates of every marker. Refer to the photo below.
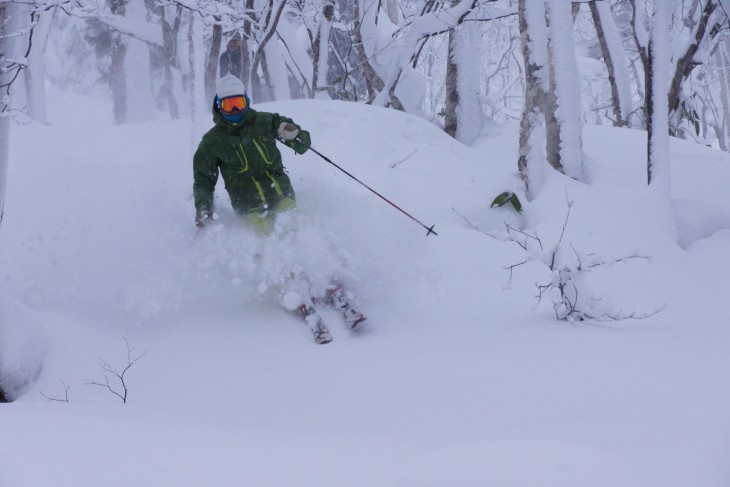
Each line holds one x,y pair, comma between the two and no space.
143,31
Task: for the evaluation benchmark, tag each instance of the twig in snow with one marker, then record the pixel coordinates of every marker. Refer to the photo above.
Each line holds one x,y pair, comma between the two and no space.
121,390
472,225
55,399
404,159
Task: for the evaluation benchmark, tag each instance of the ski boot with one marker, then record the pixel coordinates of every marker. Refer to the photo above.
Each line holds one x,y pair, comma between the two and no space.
314,322
336,298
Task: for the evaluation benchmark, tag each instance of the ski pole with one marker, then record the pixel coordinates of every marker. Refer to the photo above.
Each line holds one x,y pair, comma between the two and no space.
430,229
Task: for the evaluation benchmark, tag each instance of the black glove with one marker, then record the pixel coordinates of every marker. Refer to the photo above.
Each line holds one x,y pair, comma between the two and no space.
301,143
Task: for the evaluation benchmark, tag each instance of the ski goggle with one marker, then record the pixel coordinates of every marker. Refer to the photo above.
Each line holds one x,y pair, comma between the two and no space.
233,104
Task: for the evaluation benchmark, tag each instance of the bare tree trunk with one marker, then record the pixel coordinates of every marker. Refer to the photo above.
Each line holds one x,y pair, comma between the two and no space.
650,108
169,47
35,75
118,79
267,90
320,51
723,131
452,92
271,22
373,82
552,126
657,123
196,55
619,120
4,152
246,75
10,51
5,82
165,56
686,63
575,9
463,109
211,66
637,29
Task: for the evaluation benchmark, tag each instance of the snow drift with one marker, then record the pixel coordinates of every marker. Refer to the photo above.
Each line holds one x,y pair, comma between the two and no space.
462,377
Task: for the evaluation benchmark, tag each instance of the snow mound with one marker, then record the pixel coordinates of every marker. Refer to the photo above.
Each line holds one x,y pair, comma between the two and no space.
698,220
457,380
22,347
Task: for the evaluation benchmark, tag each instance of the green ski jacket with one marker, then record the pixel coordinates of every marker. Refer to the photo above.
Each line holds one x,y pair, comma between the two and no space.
246,156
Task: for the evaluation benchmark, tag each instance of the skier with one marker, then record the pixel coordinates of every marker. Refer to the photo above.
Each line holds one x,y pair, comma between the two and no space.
242,148
230,60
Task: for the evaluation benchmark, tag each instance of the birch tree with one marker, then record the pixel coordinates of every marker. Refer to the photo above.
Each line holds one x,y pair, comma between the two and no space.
564,130
552,93
211,64
722,124
320,38
463,108
533,37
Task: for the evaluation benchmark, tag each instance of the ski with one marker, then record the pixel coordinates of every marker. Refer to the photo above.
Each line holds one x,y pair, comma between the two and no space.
337,298
319,330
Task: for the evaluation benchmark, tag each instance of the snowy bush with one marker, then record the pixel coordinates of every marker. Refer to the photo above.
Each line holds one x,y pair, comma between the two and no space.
567,285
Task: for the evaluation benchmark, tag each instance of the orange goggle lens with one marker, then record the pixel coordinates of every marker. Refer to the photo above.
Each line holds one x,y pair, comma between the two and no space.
233,104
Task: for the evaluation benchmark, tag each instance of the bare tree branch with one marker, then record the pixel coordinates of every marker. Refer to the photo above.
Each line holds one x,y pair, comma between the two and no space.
121,390
570,302
54,399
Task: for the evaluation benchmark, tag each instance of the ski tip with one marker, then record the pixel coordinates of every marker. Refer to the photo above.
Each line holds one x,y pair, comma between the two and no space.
431,230
322,339
354,324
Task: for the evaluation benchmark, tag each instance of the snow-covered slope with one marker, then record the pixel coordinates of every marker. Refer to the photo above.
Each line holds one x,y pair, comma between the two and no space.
461,378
